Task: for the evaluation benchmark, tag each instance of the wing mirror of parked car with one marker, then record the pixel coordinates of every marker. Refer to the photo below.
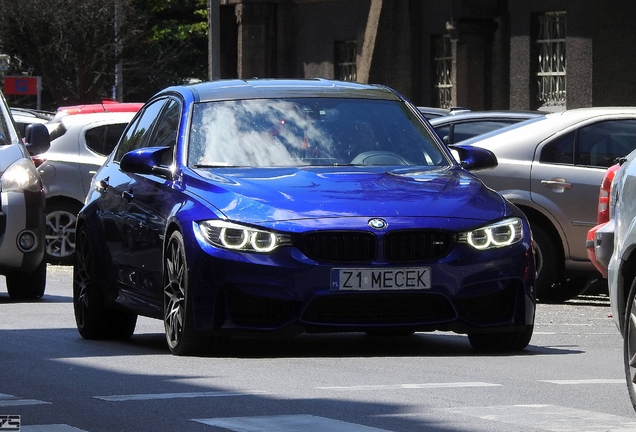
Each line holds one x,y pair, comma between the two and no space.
36,139
474,158
146,160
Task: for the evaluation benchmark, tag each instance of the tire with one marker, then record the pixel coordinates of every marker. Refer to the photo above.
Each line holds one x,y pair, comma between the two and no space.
27,286
629,344
550,286
178,320
60,231
501,342
94,320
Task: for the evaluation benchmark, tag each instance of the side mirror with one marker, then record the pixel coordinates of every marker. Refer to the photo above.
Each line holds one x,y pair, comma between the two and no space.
37,139
474,158
146,160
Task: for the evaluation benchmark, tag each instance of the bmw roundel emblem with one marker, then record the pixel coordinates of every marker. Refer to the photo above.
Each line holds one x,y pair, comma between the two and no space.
378,224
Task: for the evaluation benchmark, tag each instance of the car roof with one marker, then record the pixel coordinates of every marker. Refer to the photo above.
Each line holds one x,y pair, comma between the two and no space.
280,88
549,124
105,106
485,115
82,119
60,125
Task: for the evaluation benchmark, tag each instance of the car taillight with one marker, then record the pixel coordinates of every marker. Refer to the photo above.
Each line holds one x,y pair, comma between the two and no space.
604,194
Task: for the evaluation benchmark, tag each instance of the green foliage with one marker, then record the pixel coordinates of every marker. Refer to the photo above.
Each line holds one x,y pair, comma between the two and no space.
74,47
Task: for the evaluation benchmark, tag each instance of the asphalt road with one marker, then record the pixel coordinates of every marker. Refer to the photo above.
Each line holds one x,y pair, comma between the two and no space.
569,379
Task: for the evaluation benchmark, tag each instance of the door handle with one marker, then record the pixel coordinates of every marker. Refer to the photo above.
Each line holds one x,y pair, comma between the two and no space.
560,184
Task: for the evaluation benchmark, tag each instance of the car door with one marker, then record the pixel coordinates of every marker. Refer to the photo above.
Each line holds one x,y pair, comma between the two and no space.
148,206
567,172
115,200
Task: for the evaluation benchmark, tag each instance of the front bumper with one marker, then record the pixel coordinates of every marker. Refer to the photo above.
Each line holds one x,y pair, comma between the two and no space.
287,292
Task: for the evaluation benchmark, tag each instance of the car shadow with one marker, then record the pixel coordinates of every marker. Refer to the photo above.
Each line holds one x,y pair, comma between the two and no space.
343,345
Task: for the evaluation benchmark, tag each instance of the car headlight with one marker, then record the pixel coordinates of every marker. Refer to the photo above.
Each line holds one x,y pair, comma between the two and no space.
242,238
500,234
21,175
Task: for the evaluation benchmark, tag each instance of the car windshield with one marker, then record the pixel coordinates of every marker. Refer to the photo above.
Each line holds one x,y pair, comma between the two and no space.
309,131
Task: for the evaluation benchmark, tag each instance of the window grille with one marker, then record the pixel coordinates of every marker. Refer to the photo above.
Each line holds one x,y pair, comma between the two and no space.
551,72
443,61
345,64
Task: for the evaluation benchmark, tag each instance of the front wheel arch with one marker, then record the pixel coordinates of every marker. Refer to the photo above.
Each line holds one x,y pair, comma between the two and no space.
628,273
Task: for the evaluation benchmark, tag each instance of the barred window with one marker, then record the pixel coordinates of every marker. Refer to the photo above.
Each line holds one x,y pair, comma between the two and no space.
551,71
443,63
345,61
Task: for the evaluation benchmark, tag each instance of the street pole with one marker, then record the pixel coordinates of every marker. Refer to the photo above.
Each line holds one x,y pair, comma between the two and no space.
214,45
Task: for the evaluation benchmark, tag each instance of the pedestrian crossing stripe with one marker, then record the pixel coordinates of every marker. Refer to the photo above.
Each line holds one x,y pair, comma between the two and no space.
153,396
410,386
7,400
286,423
549,417
50,428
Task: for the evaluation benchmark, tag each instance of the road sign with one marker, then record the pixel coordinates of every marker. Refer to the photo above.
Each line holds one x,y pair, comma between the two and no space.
18,85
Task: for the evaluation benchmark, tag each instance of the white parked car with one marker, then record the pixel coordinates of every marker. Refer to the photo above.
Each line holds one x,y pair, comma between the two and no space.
80,145
21,208
615,247
551,168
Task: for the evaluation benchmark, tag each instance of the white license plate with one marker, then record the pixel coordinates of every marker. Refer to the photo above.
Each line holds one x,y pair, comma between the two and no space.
404,278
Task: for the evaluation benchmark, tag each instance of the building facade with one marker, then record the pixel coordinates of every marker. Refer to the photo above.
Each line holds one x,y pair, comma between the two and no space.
480,54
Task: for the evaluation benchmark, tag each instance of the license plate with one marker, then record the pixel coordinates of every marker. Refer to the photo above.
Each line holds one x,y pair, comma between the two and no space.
405,278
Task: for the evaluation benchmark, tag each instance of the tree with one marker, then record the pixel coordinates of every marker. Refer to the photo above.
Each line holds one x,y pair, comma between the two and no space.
74,45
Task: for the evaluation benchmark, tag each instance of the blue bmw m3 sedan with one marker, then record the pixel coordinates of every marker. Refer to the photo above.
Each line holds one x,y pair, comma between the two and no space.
298,206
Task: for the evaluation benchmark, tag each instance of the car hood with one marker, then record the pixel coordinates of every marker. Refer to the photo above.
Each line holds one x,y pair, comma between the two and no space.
284,194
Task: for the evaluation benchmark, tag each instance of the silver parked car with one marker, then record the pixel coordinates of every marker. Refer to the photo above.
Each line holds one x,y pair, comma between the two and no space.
80,144
551,167
615,247
467,124
21,208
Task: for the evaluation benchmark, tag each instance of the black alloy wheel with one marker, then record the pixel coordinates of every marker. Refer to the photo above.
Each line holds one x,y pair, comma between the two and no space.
181,336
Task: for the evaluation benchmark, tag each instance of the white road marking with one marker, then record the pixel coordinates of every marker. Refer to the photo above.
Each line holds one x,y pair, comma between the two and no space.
50,428
410,386
7,400
550,418
586,381
286,423
153,396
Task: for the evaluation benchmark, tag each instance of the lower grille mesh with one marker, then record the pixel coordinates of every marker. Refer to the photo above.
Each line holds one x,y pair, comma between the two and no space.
378,309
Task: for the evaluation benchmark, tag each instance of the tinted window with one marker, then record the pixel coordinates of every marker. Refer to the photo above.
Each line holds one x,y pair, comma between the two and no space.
560,151
600,144
444,133
165,133
138,133
463,131
103,139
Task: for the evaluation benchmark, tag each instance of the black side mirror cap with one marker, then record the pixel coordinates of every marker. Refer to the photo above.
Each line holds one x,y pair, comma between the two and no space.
37,139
